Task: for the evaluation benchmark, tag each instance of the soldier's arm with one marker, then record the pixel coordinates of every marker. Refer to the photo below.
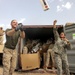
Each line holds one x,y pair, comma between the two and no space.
56,35
68,45
22,34
54,23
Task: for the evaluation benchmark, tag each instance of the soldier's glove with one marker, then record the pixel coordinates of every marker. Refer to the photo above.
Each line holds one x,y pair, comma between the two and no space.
22,29
18,27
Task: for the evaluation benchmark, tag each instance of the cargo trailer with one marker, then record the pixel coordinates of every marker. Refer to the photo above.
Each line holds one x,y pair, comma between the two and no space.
44,32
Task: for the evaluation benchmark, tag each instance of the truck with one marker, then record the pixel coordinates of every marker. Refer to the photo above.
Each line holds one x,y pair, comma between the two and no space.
44,32
69,29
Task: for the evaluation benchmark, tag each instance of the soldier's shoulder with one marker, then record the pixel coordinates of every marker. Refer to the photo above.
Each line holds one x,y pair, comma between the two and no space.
7,29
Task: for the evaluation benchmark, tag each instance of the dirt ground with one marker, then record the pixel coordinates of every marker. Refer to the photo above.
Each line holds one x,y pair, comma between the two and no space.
33,72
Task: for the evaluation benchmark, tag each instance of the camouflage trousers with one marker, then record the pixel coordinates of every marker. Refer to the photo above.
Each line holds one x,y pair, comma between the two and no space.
9,61
1,40
50,58
62,64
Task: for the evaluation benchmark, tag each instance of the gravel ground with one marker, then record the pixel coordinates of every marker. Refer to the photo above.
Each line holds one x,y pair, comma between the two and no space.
33,72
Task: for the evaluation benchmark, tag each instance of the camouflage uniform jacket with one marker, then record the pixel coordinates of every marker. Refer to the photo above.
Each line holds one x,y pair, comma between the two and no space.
60,46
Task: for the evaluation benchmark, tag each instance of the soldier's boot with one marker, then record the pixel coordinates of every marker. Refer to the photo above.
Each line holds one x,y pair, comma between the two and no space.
11,74
53,70
45,67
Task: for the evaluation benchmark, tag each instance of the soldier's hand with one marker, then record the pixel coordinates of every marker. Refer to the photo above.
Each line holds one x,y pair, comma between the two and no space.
67,40
55,21
22,29
18,27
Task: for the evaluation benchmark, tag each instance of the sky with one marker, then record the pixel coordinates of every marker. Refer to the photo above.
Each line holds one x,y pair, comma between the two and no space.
30,12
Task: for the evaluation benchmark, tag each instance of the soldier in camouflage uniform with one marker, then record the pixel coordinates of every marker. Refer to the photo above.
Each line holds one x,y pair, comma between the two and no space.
1,35
60,47
9,52
50,55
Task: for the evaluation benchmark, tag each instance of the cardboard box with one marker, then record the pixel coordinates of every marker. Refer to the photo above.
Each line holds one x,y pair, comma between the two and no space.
30,61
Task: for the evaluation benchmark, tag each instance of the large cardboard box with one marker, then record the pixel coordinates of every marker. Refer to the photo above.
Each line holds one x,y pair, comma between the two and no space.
30,61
